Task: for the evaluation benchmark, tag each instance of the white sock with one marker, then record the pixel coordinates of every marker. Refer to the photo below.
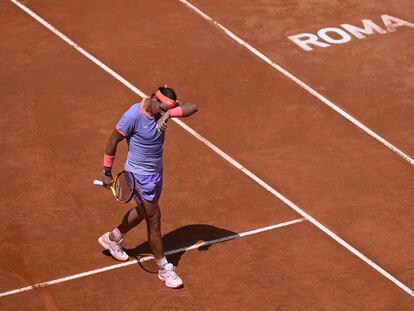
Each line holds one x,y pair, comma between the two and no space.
117,235
161,262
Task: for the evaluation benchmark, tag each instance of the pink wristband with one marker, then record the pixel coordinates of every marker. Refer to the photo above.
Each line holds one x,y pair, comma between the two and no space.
176,112
108,160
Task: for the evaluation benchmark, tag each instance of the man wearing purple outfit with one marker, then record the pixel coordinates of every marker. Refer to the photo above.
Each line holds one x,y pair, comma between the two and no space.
143,125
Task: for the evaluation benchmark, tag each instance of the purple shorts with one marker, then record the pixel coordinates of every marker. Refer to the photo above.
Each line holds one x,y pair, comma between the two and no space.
147,187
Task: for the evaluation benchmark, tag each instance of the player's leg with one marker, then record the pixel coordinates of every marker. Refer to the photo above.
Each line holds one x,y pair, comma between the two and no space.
131,219
153,215
150,191
112,240
166,270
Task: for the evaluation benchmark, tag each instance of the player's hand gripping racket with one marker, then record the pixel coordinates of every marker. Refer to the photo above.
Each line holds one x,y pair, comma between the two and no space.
122,186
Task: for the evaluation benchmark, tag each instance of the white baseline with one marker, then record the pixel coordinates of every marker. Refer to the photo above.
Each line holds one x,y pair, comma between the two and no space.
146,258
223,154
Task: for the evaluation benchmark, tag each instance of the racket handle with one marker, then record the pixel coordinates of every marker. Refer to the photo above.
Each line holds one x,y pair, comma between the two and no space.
98,182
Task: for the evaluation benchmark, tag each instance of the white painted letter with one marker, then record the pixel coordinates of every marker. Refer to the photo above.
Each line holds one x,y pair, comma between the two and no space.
369,28
392,22
344,36
310,39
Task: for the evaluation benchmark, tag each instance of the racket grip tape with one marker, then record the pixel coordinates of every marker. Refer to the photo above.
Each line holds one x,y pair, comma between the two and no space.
98,182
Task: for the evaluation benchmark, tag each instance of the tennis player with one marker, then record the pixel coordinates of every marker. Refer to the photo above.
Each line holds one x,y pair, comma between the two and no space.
144,125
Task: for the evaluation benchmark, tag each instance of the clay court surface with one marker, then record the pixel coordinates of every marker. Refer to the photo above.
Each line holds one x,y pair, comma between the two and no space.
59,108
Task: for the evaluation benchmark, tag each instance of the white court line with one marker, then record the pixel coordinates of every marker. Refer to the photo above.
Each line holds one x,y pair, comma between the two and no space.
146,258
301,83
224,155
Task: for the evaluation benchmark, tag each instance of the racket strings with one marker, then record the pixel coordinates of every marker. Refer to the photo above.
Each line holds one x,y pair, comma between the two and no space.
122,189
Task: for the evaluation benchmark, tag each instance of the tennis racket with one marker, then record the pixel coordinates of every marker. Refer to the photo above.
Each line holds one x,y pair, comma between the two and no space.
122,186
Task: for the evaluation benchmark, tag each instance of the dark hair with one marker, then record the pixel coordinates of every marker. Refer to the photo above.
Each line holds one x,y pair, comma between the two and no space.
169,92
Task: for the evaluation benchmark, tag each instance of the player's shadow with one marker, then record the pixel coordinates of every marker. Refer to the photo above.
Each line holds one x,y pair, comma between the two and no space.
176,241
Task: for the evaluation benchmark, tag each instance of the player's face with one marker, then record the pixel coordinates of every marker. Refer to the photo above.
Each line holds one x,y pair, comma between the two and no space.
156,106
159,106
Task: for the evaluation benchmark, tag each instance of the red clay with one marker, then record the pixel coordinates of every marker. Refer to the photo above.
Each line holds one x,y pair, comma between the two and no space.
60,108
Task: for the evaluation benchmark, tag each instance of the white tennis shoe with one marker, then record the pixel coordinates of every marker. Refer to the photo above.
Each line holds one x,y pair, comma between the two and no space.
115,248
169,277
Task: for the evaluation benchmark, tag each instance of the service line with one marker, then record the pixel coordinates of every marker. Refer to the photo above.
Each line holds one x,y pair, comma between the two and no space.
146,258
224,155
300,83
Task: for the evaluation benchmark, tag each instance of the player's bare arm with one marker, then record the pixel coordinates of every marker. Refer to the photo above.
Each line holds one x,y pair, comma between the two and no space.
183,110
113,142
188,108
110,151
